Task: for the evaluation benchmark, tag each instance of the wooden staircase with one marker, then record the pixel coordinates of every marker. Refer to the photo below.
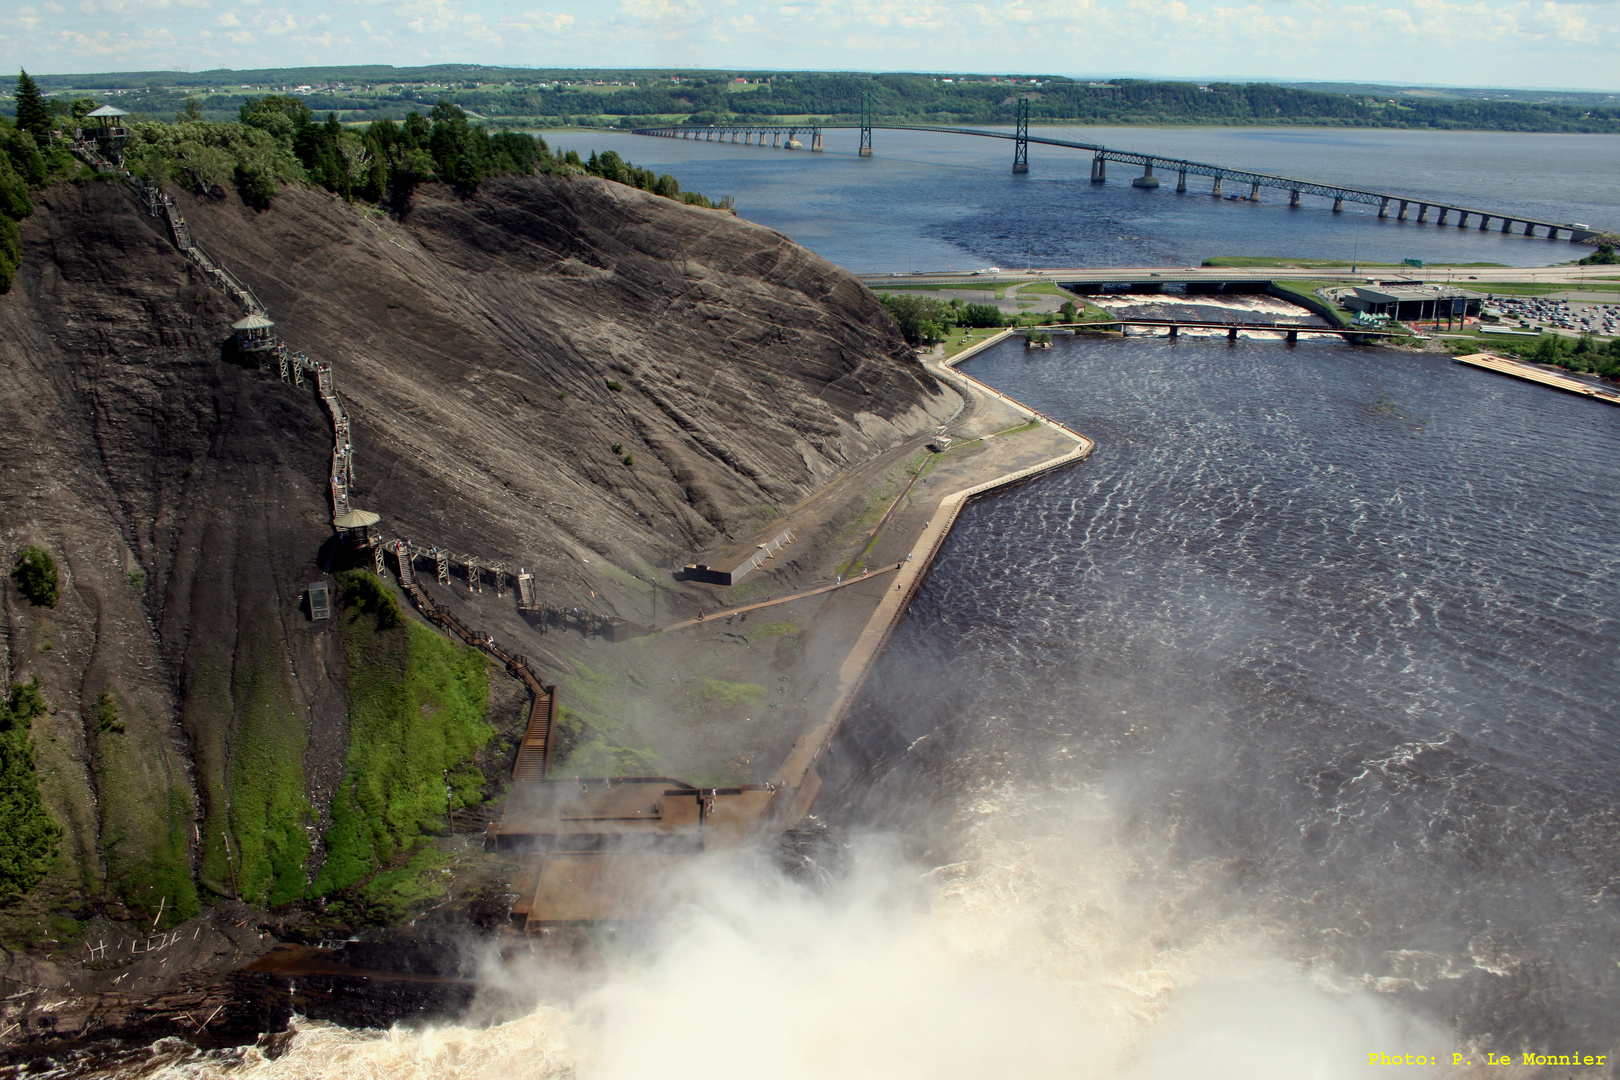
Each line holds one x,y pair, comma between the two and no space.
534,753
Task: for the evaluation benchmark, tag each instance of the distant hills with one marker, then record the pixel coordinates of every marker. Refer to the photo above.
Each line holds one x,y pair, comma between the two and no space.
547,97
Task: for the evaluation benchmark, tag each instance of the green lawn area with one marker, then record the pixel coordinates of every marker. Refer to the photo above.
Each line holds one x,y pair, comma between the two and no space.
1308,288
964,339
998,291
1535,288
1324,264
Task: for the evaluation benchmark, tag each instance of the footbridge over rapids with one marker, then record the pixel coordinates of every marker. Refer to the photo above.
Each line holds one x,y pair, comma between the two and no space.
1403,206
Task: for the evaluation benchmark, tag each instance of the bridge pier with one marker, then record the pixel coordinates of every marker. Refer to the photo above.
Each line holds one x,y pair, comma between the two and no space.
1423,212
1099,169
1484,222
1383,209
1173,329
1231,335
1293,198
748,138
1552,232
1441,220
1215,188
815,141
1402,215
1338,204
1254,192
1147,179
1462,219
1507,225
1293,337
776,140
1181,183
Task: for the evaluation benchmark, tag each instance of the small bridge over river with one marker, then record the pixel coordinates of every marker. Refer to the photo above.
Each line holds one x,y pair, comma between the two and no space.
1403,206
1289,331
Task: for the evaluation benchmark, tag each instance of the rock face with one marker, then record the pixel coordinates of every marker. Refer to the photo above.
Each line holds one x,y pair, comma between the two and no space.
492,348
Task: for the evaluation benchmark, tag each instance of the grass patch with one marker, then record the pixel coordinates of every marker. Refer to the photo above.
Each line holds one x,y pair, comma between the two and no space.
737,595
416,708
965,286
730,695
960,340
591,727
1308,288
1280,261
265,773
1534,288
1042,288
784,628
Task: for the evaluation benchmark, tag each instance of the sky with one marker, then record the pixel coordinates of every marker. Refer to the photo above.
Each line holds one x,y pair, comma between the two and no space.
1512,43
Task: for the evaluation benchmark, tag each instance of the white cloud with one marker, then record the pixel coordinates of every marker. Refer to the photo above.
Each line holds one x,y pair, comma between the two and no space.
1500,42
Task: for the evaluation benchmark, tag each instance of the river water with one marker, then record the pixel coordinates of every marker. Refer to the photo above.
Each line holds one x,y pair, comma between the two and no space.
933,202
1278,734
1315,653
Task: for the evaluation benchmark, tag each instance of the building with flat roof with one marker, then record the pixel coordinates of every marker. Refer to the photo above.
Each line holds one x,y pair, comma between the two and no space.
1407,303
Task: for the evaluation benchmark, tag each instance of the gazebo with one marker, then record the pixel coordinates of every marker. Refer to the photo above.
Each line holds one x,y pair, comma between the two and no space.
107,128
254,334
356,522
354,530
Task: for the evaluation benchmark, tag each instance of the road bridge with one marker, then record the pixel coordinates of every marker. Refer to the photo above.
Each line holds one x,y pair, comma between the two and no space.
1403,206
1232,329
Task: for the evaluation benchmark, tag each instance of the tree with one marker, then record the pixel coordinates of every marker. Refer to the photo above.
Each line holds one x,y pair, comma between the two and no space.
10,252
982,315
28,835
193,112
14,201
1070,313
35,573
281,116
33,115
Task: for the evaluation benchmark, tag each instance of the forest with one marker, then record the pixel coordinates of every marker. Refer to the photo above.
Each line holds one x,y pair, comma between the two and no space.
514,97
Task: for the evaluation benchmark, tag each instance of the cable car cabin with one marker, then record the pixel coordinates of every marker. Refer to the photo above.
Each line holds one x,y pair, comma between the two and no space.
254,334
320,601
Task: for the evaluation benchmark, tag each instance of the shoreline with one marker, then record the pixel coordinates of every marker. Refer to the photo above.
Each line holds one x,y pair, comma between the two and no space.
797,770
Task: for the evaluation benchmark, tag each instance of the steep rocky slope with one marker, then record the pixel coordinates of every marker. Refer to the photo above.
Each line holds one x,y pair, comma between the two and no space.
477,342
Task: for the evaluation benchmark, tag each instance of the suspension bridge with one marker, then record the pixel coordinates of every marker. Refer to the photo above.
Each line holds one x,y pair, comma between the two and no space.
1403,206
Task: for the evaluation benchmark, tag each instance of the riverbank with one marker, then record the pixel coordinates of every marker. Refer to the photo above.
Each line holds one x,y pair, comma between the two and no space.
797,770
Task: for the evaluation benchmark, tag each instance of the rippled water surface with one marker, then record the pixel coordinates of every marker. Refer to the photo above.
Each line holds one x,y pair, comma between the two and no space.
1316,652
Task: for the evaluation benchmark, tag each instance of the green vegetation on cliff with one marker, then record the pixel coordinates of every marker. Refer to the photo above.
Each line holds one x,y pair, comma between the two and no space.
265,774
28,835
23,166
276,139
145,811
35,574
416,708
554,97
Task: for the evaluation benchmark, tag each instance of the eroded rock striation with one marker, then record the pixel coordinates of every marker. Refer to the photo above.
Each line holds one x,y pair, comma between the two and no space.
493,349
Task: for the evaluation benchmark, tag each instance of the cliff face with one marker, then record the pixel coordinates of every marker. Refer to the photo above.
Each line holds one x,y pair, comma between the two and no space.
477,343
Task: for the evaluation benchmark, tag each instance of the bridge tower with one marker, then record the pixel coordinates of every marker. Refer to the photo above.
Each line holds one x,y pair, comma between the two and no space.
866,124
1021,139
